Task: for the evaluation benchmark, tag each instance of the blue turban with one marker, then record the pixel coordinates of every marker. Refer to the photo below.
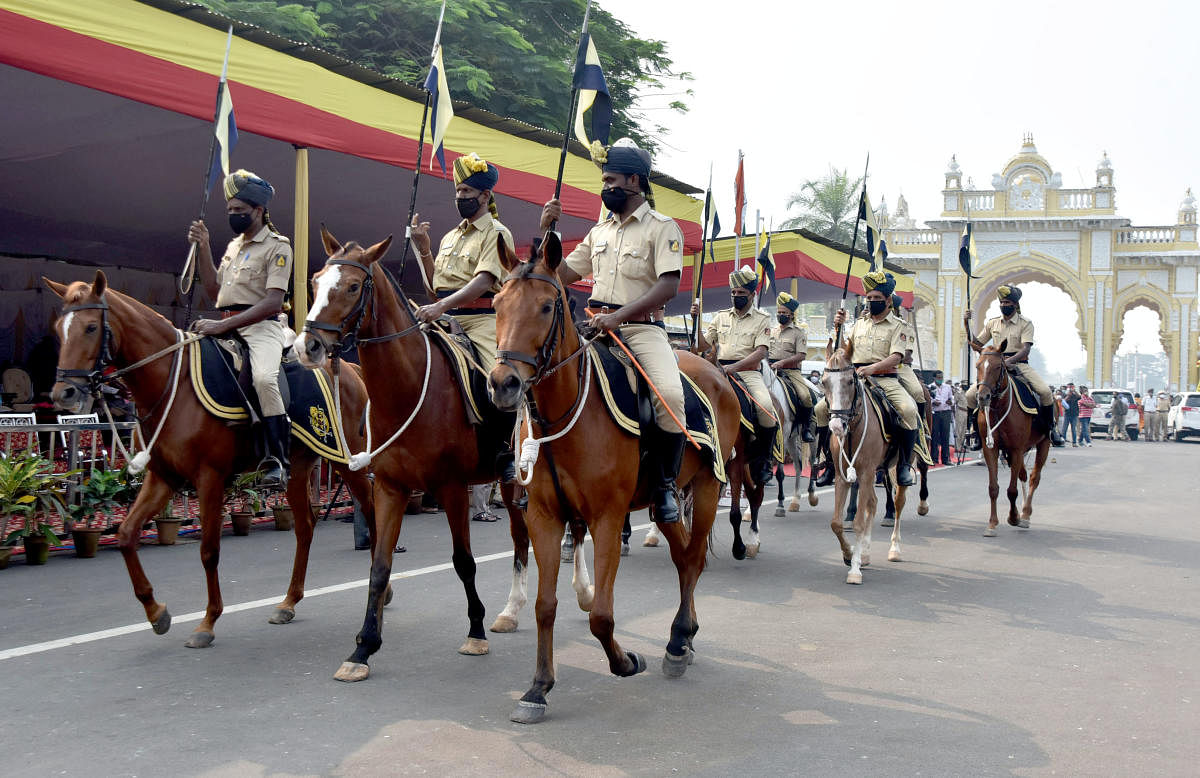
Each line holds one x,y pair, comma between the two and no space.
877,279
743,278
475,172
897,301
1010,293
627,159
249,188
787,301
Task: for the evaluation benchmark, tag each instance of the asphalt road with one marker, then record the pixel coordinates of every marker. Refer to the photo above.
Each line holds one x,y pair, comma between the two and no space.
1070,648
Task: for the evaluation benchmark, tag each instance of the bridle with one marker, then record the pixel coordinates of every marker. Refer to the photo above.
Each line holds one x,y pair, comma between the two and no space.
995,390
93,378
847,415
345,332
540,362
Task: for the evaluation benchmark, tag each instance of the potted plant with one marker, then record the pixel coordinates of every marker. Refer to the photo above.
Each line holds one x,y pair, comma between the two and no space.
29,490
245,502
284,518
167,525
103,491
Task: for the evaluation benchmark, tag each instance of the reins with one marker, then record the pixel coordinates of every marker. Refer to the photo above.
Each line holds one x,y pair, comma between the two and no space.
990,442
848,416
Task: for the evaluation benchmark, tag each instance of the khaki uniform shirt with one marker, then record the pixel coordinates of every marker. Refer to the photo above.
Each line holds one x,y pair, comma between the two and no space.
1017,332
788,342
736,336
250,267
872,341
470,249
1163,404
626,258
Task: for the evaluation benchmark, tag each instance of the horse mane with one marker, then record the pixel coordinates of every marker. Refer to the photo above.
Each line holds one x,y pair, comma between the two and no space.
78,291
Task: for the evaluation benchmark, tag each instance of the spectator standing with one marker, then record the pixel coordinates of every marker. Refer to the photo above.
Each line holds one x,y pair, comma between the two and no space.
942,397
1116,424
1163,408
1071,414
1149,415
960,418
1086,406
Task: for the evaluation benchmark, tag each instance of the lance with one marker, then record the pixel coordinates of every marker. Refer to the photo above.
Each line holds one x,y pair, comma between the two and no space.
579,58
187,279
694,334
850,258
968,271
412,200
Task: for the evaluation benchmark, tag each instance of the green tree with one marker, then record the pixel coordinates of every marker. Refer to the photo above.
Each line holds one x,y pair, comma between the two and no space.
514,59
828,206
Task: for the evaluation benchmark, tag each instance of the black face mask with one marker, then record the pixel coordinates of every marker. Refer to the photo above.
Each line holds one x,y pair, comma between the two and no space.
240,222
1007,310
783,319
877,306
467,206
615,199
740,302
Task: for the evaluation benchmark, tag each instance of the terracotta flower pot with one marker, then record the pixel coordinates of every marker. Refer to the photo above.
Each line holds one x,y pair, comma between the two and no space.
241,521
87,540
37,550
5,555
284,518
168,530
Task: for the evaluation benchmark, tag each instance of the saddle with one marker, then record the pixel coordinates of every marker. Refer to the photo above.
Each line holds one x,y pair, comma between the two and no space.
627,398
791,395
750,413
889,422
462,355
1027,399
220,375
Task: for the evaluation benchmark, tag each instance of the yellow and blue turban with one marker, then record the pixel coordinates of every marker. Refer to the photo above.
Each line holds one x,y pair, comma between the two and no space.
478,174
1012,293
249,188
877,279
744,278
626,158
787,301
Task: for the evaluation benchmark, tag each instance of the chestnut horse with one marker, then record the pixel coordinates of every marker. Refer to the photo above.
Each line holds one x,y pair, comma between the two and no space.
858,448
588,467
414,393
100,325
1014,432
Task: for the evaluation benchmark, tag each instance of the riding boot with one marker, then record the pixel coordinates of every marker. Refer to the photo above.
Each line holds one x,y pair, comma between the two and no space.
278,438
506,466
1046,417
803,417
907,442
764,442
669,451
827,471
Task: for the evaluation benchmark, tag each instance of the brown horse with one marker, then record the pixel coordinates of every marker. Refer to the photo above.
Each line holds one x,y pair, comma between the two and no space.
1014,432
858,449
588,467
101,326
418,414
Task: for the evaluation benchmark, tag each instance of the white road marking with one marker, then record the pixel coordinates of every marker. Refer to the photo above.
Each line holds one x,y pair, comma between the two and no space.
129,629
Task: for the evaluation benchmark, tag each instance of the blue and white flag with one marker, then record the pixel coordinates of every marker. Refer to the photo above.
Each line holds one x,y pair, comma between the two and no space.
227,136
593,94
443,111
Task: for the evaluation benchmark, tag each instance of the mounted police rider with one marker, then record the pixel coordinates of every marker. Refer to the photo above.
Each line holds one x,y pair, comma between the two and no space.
635,256
741,337
1013,329
249,288
904,371
789,348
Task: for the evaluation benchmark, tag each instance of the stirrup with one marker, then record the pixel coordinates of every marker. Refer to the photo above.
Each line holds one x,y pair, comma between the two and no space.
666,507
272,471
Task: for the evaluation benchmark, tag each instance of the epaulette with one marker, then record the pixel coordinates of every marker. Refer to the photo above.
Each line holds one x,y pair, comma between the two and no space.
280,236
662,217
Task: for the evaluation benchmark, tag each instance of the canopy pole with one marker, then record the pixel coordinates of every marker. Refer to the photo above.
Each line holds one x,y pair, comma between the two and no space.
300,243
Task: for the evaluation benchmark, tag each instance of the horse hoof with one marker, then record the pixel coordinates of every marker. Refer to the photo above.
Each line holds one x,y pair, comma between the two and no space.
624,548
585,599
1023,523
282,616
352,672
162,624
1014,521
528,712
200,640
893,556
752,551
639,664
746,515
739,550
504,624
675,666
923,509
887,521
990,532
651,541
865,561
854,578
812,499
474,647
780,512
387,600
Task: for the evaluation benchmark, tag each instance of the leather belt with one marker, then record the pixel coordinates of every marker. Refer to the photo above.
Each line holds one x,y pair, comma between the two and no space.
876,375
232,310
596,306
1020,362
479,305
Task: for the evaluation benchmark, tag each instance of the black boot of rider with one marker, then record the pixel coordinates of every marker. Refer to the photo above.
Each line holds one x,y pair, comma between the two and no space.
827,473
764,442
1046,417
506,466
274,466
670,456
803,419
908,441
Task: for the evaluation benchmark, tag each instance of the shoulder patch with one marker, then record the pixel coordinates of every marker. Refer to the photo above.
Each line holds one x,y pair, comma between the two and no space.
280,260
673,245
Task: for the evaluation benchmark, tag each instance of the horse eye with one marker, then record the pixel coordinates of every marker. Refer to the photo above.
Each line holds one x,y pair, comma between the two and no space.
546,308
90,329
353,287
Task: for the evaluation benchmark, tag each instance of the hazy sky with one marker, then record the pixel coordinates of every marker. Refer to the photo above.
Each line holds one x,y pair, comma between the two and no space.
800,86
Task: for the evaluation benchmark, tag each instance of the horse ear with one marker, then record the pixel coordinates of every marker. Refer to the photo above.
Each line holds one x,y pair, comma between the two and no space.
552,250
54,286
376,252
828,349
100,284
508,258
331,243
1003,346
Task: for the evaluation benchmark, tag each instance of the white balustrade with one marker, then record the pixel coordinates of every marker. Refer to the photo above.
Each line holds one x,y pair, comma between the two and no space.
912,237
1144,235
1076,199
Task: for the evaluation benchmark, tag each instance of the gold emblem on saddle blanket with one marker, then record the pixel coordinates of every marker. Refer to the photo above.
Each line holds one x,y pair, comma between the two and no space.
318,421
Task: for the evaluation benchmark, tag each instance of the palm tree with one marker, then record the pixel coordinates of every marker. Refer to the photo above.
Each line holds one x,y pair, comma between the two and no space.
828,206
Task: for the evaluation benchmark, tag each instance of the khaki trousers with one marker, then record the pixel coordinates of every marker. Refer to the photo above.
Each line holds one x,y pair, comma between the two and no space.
265,339
754,382
898,396
481,329
803,387
649,344
910,382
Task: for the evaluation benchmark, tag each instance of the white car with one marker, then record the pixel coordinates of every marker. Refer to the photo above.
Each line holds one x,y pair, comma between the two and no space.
1184,417
1102,415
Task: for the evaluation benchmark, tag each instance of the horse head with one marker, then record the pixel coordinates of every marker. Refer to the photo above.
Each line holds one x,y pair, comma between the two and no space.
530,321
989,372
342,293
841,388
85,340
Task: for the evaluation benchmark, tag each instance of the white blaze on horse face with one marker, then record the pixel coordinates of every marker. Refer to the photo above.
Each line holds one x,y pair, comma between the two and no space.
66,328
325,284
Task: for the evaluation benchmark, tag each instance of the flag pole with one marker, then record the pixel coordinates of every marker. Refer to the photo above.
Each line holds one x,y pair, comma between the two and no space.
562,156
694,334
187,279
412,199
837,342
967,301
